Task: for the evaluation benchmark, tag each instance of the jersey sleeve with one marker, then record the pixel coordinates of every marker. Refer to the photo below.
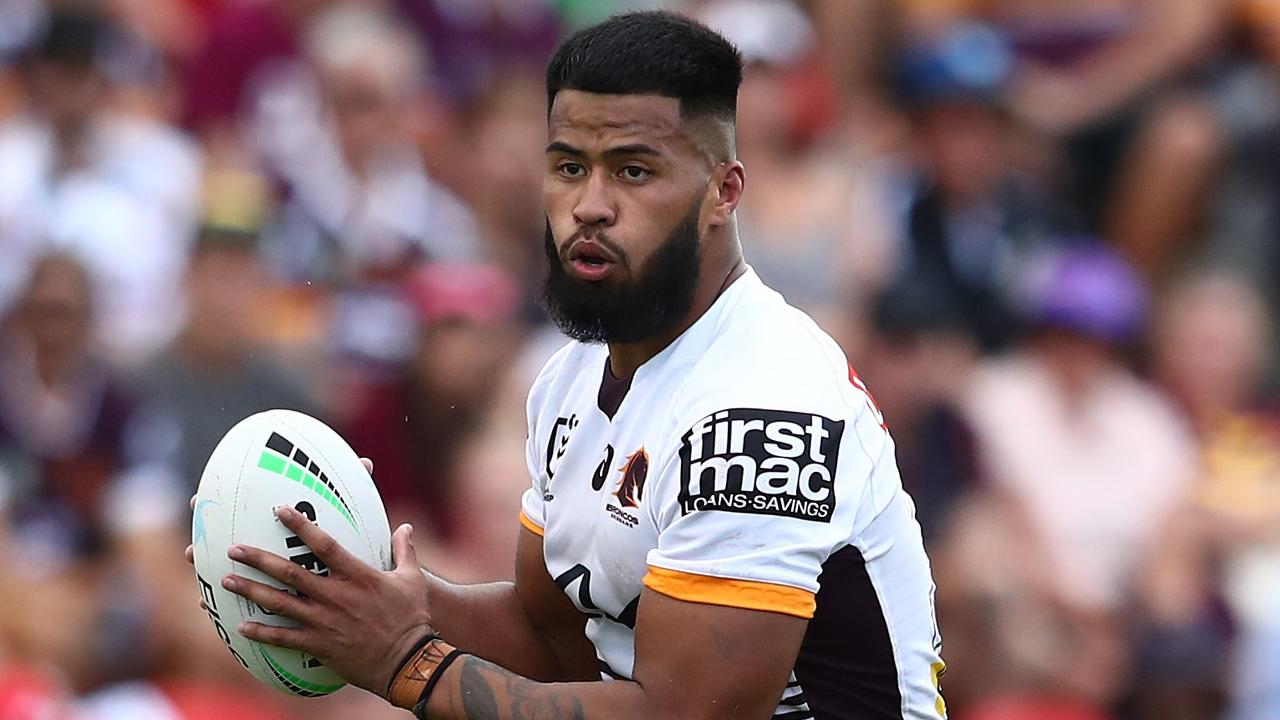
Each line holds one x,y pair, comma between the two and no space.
541,422
532,503
752,503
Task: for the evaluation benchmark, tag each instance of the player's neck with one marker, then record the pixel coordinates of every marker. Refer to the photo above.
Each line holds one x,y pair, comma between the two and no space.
626,358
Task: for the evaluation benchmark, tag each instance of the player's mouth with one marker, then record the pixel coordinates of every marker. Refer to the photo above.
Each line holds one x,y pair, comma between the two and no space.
591,261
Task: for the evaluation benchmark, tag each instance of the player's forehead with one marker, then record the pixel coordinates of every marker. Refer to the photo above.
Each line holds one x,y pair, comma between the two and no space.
595,122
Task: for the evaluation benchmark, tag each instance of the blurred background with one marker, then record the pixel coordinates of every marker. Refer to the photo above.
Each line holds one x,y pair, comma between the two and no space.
1047,232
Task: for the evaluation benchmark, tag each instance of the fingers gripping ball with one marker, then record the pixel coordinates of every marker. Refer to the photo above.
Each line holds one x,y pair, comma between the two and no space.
267,460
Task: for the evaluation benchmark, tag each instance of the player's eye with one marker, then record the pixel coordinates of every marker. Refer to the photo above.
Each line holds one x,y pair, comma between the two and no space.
636,173
571,170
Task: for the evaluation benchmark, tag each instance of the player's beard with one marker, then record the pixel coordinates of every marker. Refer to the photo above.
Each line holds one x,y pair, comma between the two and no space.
654,299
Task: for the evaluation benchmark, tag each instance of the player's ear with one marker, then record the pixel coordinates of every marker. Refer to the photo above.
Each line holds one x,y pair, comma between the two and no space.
728,180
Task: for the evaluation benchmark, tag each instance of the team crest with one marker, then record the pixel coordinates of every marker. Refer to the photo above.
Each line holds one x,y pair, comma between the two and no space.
634,474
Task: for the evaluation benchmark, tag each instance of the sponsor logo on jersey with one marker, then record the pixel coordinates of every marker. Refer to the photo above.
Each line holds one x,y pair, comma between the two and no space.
765,462
557,445
602,470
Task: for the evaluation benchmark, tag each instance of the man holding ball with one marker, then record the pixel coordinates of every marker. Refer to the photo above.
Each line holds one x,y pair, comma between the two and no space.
716,527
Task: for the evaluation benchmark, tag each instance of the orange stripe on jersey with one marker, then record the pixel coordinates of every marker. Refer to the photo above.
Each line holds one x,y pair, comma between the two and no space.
533,527
746,594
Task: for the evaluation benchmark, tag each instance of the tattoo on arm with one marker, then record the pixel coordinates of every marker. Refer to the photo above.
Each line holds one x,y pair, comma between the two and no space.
488,692
478,699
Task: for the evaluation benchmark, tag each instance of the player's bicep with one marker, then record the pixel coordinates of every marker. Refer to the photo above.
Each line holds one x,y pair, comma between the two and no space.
701,661
551,612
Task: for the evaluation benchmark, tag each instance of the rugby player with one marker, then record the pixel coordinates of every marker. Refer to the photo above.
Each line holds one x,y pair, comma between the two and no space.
716,526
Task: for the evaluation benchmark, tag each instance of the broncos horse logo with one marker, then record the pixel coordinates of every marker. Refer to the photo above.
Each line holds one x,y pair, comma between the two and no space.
634,473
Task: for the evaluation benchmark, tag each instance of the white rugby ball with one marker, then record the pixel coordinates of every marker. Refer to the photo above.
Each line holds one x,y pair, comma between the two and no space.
275,458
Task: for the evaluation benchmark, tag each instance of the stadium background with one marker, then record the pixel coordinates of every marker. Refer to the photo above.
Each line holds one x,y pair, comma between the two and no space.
1046,232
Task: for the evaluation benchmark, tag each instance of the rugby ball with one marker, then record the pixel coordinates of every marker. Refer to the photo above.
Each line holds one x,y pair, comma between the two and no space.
275,458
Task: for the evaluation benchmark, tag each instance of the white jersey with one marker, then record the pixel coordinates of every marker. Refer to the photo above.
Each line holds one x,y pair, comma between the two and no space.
744,465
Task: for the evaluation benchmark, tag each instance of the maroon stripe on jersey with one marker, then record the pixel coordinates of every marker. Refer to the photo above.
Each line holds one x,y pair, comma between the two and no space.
846,664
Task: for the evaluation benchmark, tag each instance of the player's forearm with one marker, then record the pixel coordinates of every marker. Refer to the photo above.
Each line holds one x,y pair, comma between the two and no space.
490,621
474,689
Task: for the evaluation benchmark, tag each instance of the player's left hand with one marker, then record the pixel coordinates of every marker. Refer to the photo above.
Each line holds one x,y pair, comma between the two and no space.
358,621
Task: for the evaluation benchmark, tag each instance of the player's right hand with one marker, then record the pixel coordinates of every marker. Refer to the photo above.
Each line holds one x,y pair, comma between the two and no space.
190,552
362,623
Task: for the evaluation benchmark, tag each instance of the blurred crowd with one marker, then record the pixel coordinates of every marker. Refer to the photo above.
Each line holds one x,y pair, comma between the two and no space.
1046,232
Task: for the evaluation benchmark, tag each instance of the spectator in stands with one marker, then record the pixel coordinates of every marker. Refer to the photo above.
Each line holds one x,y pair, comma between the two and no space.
86,492
338,134
219,371
489,477
799,230
244,44
972,222
500,168
1218,565
859,58
1115,81
1086,464
473,43
1244,216
417,421
918,363
118,190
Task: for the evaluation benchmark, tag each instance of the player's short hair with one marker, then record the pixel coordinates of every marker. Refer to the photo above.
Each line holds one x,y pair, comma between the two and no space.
656,52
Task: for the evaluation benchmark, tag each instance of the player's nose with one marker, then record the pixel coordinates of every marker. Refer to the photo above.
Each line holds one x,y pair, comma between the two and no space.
595,206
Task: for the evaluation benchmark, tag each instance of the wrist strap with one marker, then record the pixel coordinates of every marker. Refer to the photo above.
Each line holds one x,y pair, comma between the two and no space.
420,709
413,653
416,675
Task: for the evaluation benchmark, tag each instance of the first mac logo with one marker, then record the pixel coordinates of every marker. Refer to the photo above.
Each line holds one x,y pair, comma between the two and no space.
766,462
